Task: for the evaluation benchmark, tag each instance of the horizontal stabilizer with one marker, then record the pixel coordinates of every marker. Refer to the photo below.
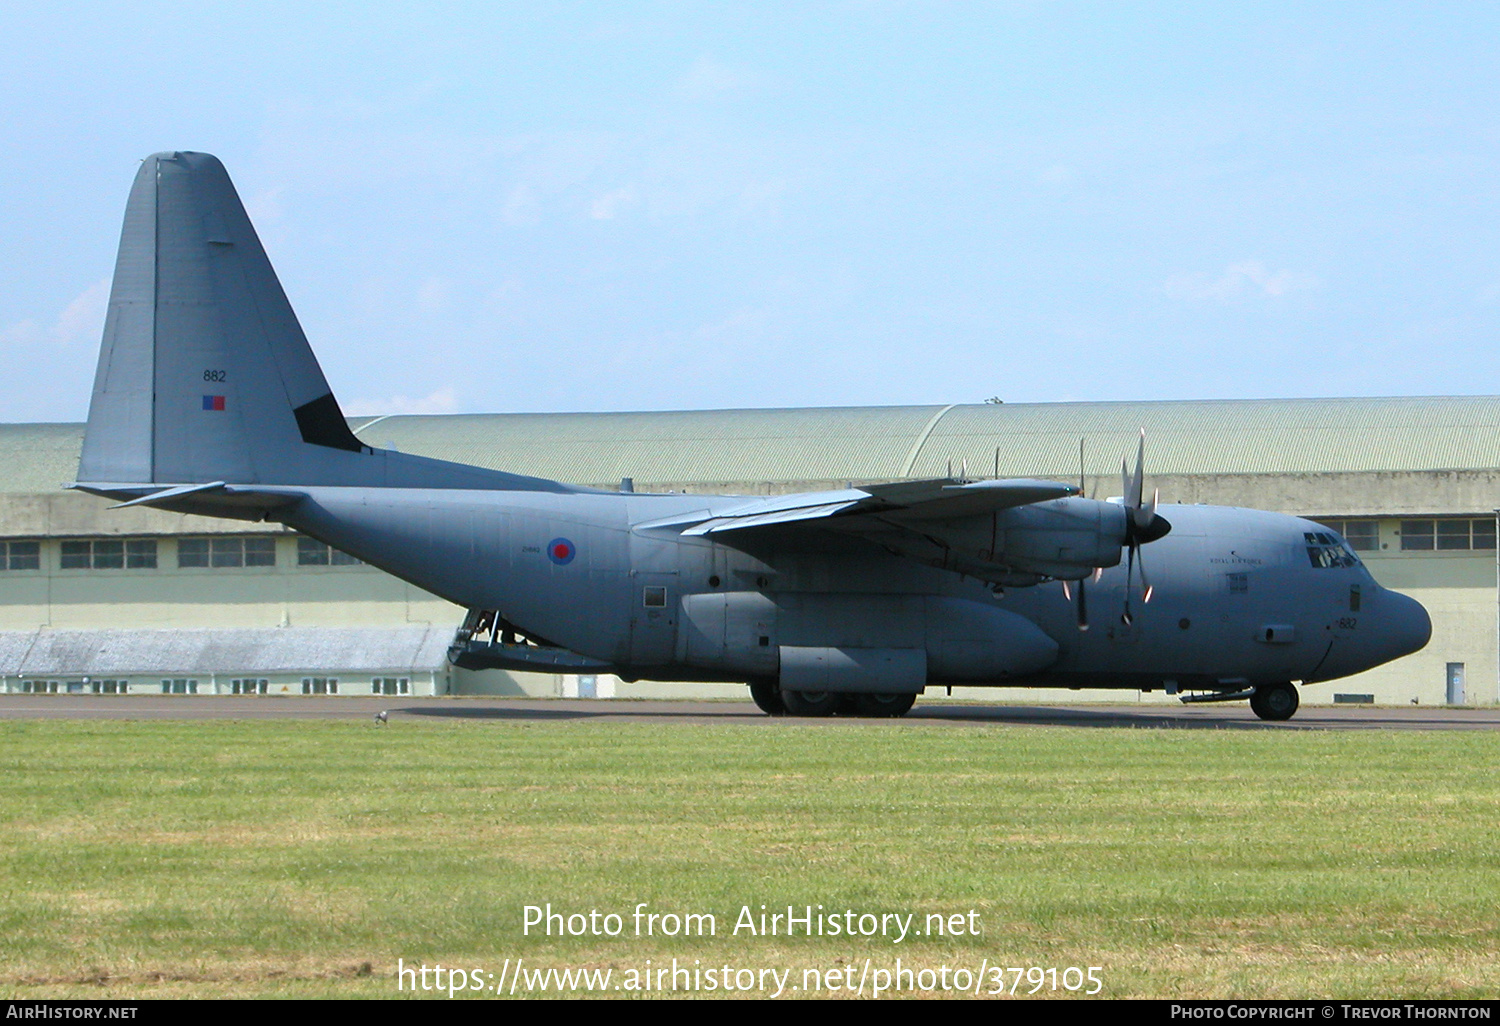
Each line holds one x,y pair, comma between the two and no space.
214,499
170,493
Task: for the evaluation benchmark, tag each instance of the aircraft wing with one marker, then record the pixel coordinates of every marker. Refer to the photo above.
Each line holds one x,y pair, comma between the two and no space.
1008,532
936,499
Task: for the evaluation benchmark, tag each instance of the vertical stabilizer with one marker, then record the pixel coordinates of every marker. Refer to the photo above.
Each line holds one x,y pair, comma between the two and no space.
204,373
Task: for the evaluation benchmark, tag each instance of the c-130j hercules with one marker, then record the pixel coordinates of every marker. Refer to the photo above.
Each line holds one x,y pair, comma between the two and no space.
208,400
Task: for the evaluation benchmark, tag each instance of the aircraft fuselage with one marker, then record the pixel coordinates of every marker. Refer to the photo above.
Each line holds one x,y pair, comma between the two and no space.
1241,597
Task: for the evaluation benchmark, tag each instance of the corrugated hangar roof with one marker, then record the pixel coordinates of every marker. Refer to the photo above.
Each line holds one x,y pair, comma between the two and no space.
1262,436
246,650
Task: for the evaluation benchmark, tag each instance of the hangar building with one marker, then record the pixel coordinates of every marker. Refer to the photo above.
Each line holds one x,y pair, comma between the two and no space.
140,600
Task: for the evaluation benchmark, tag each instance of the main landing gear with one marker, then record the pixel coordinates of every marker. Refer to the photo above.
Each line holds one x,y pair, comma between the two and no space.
1275,701
767,696
773,701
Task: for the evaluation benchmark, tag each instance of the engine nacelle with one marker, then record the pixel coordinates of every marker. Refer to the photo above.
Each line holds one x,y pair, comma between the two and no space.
1065,539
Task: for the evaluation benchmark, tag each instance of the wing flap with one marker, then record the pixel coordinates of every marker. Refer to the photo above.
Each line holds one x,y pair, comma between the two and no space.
766,519
941,498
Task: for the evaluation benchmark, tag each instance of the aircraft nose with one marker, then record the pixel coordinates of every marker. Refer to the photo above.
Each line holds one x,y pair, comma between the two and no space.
1406,625
1401,627
1392,625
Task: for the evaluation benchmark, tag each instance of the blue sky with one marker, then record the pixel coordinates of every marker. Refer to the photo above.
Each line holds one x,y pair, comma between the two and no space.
597,206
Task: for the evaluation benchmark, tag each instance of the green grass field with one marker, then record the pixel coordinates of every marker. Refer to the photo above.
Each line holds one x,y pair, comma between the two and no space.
306,858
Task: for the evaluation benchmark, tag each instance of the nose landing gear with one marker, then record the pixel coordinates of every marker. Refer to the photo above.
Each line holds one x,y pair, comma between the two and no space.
1275,701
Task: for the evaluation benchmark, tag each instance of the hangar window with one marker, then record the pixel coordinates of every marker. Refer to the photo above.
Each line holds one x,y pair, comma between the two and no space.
248,686
109,554
1417,535
20,555
1362,535
391,686
179,686
1453,534
233,551
320,686
311,552
111,687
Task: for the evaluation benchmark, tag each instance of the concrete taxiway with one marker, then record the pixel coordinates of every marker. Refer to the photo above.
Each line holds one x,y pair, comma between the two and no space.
1234,716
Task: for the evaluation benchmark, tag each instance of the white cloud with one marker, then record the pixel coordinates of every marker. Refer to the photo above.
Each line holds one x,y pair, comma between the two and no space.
608,206
709,79
81,322
444,400
266,207
22,333
1246,279
435,294
1057,174
521,206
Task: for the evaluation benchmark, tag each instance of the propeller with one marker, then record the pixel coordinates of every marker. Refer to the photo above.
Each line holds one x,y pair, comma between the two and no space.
1142,525
1082,609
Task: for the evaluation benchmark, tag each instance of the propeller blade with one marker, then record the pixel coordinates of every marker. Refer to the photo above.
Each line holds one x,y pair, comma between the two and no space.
1138,481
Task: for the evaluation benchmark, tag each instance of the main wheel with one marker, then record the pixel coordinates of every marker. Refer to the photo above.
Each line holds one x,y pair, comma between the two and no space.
812,703
1275,701
879,705
767,696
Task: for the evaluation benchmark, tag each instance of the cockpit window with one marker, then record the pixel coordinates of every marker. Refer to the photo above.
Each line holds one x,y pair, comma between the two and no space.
1326,551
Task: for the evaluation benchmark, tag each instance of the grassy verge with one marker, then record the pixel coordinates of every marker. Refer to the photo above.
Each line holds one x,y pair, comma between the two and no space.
307,858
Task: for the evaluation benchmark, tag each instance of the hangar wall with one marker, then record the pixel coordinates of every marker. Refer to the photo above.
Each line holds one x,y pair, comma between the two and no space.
1371,468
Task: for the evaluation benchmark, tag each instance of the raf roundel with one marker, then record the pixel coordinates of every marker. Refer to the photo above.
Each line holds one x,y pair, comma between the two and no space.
561,551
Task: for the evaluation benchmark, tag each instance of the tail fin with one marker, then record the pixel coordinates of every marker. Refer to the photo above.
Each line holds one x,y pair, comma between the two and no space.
204,373
202,352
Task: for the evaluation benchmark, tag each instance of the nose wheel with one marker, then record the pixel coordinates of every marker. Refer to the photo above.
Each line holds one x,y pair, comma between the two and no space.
1275,701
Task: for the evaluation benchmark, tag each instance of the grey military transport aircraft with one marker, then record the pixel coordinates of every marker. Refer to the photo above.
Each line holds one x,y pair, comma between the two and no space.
209,400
